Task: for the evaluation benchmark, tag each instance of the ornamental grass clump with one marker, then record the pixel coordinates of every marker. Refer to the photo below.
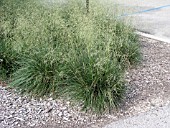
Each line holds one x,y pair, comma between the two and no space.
66,51
39,74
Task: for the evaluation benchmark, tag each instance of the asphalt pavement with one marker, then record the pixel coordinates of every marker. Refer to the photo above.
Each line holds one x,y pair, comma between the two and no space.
150,16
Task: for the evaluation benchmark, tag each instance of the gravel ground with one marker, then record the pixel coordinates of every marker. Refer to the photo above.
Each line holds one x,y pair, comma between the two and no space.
148,87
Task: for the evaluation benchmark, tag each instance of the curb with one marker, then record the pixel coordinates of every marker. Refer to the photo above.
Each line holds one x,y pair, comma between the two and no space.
153,37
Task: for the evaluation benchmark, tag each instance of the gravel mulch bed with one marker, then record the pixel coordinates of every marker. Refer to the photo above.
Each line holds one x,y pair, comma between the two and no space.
148,87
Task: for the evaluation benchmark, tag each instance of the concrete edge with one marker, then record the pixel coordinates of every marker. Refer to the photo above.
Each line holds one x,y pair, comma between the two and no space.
152,37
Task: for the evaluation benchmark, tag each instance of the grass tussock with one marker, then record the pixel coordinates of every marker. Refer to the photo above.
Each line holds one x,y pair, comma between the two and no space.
62,49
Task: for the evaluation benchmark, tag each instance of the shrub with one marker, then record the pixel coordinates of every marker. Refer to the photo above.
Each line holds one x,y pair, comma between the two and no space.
64,50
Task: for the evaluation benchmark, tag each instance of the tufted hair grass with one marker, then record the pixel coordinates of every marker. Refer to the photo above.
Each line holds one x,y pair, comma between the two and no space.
63,50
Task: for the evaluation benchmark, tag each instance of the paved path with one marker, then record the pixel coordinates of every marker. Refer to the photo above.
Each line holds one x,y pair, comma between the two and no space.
151,16
158,118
